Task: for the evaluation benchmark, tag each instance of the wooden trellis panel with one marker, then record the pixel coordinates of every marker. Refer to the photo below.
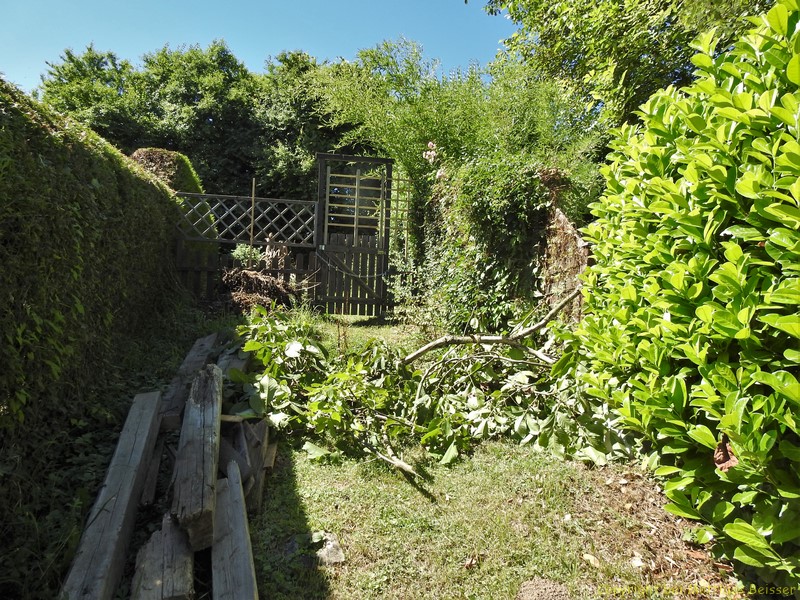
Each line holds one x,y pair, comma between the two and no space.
229,219
338,246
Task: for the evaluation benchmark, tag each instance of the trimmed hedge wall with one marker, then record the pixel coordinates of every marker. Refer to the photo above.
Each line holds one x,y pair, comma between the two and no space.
173,168
84,238
691,339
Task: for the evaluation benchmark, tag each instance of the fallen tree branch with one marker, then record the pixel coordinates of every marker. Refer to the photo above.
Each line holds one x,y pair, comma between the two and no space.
523,333
391,458
509,340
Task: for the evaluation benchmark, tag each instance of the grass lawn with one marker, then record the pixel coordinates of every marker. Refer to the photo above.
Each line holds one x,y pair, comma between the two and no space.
343,332
479,529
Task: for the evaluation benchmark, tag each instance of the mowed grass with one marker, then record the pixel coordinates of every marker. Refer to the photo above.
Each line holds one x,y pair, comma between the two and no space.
342,332
478,529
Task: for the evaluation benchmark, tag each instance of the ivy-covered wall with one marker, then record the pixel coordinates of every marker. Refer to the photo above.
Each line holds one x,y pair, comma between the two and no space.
84,242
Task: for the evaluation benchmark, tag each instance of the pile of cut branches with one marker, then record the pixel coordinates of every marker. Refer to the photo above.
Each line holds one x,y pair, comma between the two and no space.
372,401
248,288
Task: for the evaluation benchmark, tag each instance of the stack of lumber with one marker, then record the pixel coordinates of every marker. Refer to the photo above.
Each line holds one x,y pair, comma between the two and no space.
219,474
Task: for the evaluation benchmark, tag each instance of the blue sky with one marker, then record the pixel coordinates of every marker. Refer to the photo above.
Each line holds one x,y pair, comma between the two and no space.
33,32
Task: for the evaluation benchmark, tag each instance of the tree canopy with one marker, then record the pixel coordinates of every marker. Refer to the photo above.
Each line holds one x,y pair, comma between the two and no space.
619,51
233,124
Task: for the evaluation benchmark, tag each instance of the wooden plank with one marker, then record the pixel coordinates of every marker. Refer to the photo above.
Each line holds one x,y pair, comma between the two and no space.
100,559
320,279
370,272
378,282
194,495
313,268
335,276
256,435
350,294
270,455
228,453
212,264
232,570
350,279
164,566
258,445
240,444
151,482
364,270
373,302
195,285
178,391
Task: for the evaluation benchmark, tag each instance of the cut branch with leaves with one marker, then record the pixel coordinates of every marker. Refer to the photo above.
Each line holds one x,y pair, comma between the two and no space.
512,339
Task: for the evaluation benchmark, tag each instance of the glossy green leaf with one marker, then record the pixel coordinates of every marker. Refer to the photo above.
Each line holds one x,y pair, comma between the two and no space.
787,529
666,470
782,382
778,19
787,323
744,532
793,69
722,510
704,436
750,556
684,511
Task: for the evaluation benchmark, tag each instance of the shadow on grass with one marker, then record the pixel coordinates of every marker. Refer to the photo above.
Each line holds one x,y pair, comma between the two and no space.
283,551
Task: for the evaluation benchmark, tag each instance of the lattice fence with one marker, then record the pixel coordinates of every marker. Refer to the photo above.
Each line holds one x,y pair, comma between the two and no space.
234,219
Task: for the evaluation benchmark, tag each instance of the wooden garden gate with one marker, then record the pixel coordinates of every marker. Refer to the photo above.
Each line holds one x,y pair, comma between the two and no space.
337,244
353,220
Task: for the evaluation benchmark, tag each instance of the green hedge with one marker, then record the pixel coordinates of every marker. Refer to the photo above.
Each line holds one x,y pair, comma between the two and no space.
483,234
692,333
173,168
84,242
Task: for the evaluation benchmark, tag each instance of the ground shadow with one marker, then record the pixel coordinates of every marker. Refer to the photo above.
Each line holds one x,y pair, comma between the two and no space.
284,550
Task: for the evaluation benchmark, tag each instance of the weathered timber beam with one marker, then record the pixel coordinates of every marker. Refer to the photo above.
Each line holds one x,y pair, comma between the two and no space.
100,559
232,569
178,391
194,497
258,443
151,481
164,566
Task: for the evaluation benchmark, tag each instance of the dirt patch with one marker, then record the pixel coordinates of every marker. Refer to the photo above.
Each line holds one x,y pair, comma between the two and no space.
626,518
542,589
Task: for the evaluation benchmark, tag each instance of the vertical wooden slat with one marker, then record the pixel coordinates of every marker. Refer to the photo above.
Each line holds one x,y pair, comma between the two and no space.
336,289
211,281
352,287
347,255
371,270
361,266
380,284
350,284
365,268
